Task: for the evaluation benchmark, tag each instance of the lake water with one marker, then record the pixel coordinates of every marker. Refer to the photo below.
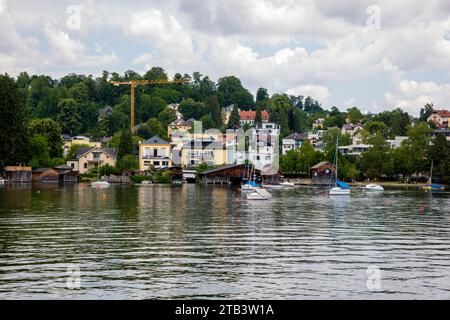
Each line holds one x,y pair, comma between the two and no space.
176,242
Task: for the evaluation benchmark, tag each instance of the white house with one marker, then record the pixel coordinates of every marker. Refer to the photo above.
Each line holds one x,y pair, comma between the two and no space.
293,142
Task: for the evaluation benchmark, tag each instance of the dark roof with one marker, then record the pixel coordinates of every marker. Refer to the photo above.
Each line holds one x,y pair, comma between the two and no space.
111,151
63,167
298,136
41,170
155,140
106,110
229,166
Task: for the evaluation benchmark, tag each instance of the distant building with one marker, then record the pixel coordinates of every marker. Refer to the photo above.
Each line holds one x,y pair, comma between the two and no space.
248,117
440,118
263,145
90,158
180,126
293,142
154,153
354,149
106,111
174,107
78,140
396,142
351,129
318,124
444,132
226,113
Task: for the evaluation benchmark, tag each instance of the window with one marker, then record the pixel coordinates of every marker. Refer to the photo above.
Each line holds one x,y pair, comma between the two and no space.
155,152
156,163
72,165
85,165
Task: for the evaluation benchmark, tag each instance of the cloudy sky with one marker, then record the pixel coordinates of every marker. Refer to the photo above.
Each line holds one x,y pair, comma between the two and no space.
373,54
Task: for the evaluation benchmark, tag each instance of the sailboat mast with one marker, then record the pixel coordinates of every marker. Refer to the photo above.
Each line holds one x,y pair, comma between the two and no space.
336,159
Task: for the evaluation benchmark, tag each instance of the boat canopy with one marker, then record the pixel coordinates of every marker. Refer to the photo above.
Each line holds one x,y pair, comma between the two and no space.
343,185
436,186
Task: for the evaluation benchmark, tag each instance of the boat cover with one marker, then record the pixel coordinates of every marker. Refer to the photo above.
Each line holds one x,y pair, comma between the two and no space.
343,185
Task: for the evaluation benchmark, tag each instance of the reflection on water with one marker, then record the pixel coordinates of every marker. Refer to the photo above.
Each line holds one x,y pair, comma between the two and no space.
143,242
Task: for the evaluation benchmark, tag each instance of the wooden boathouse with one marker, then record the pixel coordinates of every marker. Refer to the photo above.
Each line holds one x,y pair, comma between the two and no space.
233,175
323,173
19,174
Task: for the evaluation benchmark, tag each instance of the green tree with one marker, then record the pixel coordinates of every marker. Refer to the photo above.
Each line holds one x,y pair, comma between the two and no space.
230,91
207,122
426,112
329,138
354,115
167,116
152,128
126,146
262,98
280,108
128,162
215,111
14,141
258,118
234,121
192,109
40,151
52,132
377,160
69,116
439,155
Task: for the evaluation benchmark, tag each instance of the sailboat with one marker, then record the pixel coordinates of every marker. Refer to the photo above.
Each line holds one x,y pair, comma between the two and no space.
100,184
433,186
251,183
340,188
253,190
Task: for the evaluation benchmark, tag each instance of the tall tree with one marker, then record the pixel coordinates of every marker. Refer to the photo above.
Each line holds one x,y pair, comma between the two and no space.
126,146
13,131
234,121
69,116
439,155
426,112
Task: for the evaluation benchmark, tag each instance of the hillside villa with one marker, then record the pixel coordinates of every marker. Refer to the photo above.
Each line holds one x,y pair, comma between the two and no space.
154,153
90,158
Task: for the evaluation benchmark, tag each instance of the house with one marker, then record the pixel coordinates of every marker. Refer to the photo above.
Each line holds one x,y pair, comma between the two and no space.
248,117
90,158
180,126
444,132
106,111
440,118
351,129
318,124
354,149
323,173
22,174
45,175
293,142
79,140
154,153
396,142
198,151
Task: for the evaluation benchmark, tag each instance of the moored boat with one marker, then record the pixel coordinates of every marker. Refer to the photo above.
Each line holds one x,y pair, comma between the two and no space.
100,185
373,187
258,194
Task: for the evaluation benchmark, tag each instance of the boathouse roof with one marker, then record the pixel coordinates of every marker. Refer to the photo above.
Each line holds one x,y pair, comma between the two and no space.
155,140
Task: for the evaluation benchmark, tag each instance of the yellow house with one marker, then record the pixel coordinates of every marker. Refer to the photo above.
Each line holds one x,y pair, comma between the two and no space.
210,152
79,140
154,152
90,158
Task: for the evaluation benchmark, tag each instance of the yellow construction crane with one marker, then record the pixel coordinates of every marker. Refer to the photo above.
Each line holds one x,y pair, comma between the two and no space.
134,83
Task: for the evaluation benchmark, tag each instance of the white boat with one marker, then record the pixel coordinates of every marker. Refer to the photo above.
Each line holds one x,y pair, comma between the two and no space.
338,191
259,194
146,182
288,184
100,185
2,181
273,186
373,187
340,188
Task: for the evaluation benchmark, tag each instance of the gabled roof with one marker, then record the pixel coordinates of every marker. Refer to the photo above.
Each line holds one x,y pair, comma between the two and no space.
298,136
155,140
320,165
82,151
106,110
181,122
41,170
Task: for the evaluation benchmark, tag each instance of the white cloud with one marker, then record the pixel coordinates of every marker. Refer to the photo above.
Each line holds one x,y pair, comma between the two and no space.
70,52
412,95
320,93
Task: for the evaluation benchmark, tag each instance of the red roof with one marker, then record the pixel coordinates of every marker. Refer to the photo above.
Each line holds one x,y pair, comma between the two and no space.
251,115
443,113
